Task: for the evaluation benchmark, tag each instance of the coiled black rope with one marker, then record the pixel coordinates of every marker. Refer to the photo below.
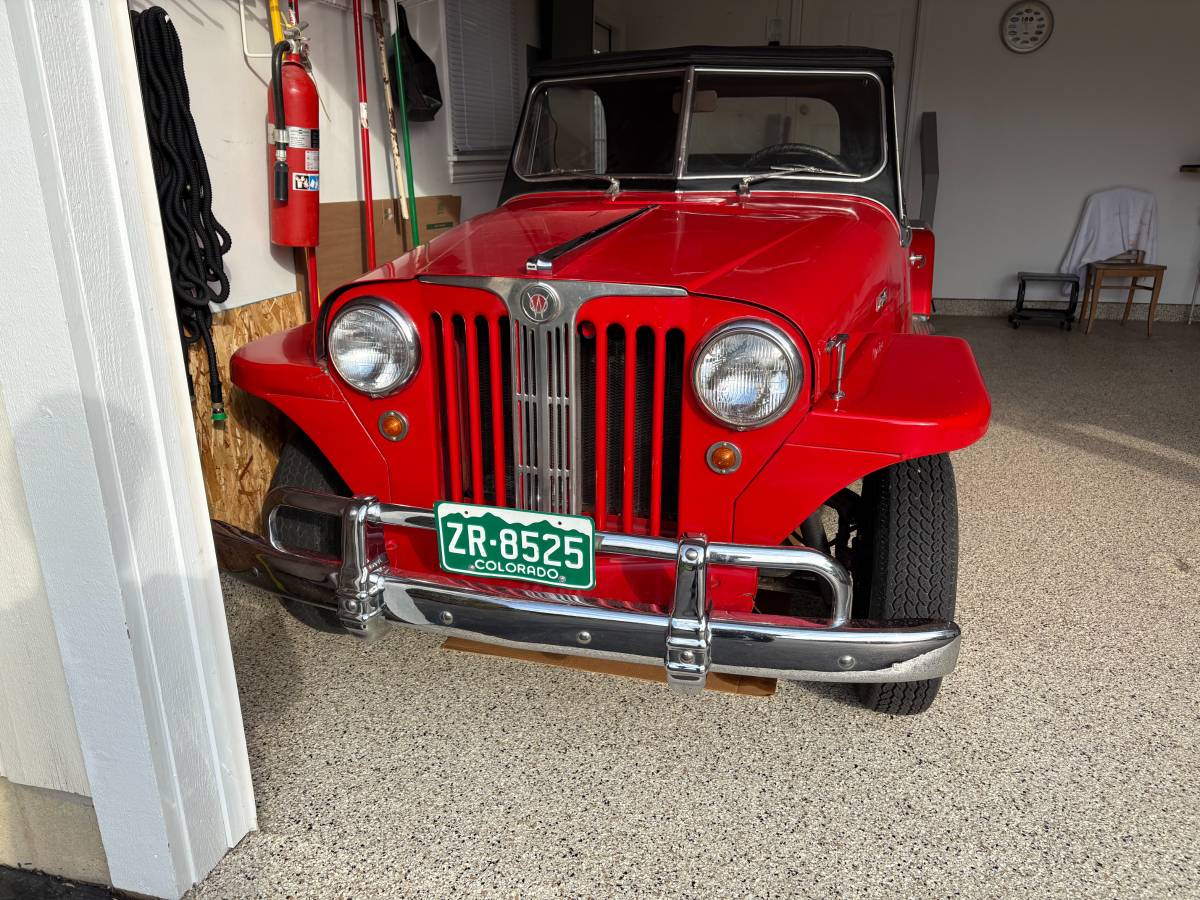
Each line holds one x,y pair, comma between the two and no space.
195,239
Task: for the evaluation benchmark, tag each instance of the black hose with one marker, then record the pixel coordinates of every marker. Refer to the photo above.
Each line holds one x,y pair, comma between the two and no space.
195,240
281,167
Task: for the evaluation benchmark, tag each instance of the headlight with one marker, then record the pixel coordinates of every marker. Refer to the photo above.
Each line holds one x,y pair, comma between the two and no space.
747,373
373,346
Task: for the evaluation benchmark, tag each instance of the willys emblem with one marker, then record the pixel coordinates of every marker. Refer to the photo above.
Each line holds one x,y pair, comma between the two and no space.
540,303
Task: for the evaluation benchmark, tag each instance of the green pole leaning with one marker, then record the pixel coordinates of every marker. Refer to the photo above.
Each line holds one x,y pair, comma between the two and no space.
408,169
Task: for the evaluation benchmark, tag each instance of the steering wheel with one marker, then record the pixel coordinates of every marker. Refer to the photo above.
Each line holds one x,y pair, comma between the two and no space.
828,159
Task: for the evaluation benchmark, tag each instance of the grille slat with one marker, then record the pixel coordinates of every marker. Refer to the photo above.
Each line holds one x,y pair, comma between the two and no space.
599,416
496,382
656,434
629,435
563,419
474,396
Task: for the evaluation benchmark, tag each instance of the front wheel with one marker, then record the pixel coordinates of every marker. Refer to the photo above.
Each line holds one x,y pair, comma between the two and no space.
302,465
905,562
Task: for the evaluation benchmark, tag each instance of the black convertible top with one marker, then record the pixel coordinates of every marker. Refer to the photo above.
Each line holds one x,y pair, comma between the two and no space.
724,57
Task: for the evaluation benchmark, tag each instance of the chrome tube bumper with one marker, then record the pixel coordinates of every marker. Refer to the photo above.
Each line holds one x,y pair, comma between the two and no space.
689,642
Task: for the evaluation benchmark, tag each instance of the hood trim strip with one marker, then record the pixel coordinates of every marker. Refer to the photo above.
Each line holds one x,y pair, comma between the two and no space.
542,262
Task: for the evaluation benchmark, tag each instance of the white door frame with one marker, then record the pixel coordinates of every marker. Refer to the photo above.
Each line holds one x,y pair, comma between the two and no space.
98,404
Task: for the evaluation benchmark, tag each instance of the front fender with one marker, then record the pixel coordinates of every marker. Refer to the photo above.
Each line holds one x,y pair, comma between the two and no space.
906,396
280,369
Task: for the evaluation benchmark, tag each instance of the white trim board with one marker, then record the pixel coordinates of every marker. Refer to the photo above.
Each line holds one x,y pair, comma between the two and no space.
97,399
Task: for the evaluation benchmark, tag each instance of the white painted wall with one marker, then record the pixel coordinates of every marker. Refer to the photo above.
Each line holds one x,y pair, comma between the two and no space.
229,96
1109,101
39,745
645,24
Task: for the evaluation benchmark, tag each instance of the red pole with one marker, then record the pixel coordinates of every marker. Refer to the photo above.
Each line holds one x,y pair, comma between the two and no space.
364,137
314,292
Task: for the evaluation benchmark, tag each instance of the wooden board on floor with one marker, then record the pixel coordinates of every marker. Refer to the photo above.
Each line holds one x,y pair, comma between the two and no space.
717,681
238,456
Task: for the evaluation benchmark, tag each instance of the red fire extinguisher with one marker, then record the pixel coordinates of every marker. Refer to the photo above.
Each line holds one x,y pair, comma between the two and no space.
294,155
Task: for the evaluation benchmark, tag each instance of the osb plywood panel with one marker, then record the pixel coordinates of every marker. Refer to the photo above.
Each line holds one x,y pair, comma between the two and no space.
238,456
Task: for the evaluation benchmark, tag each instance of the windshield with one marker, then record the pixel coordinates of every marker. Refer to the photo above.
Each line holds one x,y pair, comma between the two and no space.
615,126
799,124
747,124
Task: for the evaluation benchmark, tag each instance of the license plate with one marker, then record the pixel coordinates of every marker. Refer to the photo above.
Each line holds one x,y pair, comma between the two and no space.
492,542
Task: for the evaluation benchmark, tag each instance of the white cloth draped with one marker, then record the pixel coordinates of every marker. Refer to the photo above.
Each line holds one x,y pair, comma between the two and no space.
1113,222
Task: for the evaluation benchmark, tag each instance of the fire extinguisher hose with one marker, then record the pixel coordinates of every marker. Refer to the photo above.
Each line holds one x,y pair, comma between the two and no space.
281,166
195,240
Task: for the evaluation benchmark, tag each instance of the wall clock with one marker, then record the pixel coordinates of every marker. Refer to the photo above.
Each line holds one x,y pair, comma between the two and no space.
1026,26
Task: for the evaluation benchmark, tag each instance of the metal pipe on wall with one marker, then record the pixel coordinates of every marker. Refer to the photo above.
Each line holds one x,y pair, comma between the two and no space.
364,136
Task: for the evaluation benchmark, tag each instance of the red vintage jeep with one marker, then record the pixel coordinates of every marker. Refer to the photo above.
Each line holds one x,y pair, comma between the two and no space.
674,401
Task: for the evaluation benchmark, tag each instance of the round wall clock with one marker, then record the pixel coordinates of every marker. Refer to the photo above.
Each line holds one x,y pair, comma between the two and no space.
1026,26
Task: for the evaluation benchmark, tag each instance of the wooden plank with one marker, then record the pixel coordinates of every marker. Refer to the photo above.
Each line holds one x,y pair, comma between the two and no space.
238,456
747,686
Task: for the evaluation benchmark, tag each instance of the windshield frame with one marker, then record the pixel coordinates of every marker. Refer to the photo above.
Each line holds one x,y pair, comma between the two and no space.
679,170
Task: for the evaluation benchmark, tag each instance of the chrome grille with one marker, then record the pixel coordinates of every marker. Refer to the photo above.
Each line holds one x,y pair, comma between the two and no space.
535,393
545,420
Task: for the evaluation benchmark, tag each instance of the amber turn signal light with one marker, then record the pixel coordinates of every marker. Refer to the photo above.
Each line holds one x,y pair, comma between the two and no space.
724,457
393,425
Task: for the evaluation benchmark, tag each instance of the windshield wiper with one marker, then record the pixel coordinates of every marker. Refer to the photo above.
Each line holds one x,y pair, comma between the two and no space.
614,186
743,187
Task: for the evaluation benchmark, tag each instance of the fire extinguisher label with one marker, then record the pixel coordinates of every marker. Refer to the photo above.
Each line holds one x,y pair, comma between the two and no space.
312,160
304,138
305,181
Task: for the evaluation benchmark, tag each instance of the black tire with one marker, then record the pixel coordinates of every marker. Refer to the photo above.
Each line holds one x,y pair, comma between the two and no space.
906,562
302,465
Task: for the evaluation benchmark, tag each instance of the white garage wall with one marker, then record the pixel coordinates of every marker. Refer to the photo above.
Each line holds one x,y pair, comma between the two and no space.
676,23
228,100
1109,101
39,745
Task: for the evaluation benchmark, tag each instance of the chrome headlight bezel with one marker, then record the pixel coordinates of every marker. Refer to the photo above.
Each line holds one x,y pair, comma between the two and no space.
405,329
774,335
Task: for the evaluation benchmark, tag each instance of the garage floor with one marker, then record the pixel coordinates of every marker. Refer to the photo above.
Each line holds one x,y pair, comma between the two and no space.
1063,759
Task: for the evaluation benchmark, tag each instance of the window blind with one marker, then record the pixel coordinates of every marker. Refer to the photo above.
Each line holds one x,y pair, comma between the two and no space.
481,50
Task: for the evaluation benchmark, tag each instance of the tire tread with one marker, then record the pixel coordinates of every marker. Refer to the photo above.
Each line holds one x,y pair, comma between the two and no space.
302,465
914,562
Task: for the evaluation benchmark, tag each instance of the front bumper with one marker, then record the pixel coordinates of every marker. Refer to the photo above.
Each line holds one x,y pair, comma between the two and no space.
689,642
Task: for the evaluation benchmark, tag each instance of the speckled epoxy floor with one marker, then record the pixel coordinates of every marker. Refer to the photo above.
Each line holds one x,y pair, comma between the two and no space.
1062,759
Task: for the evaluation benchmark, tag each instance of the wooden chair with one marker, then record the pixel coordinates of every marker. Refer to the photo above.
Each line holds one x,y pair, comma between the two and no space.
1132,265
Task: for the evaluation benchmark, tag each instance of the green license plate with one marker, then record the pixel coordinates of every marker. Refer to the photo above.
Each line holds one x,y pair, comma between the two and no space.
492,542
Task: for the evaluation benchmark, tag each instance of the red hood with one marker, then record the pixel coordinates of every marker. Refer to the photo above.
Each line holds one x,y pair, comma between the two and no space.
806,256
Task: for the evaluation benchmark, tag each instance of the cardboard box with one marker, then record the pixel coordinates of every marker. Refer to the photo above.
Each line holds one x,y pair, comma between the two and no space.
437,215
342,254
